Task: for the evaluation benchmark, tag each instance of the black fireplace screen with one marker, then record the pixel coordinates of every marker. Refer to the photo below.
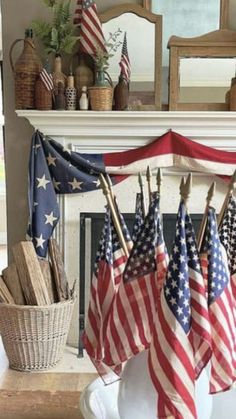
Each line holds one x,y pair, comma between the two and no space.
91,225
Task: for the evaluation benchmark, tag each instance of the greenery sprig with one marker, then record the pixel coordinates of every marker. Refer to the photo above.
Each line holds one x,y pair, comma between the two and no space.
101,57
58,36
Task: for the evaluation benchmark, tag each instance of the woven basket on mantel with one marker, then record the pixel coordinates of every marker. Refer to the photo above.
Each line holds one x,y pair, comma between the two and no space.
101,98
34,337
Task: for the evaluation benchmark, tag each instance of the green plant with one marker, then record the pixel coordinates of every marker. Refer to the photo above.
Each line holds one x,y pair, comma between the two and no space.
101,56
58,36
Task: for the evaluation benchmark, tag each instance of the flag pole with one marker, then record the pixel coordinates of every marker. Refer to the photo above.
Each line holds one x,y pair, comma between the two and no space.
231,188
107,194
159,180
109,184
149,177
202,228
140,181
185,188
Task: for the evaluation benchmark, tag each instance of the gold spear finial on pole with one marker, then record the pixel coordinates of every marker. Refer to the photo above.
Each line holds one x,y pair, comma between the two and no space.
159,180
149,178
185,188
231,187
107,194
202,228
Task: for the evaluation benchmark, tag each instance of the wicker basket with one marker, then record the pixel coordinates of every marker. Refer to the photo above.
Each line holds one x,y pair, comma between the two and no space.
34,337
101,98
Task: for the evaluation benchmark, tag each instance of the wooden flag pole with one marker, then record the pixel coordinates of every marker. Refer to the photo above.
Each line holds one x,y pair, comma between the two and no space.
185,188
140,181
149,177
110,187
107,194
231,188
159,180
202,228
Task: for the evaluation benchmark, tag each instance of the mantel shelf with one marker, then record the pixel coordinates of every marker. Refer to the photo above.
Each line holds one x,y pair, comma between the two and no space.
133,129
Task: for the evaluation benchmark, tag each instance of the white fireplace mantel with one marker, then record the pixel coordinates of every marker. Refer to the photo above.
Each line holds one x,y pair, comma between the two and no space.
94,132
104,131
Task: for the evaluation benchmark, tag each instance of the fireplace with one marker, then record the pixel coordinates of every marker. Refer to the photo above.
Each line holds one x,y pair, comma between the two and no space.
98,132
91,225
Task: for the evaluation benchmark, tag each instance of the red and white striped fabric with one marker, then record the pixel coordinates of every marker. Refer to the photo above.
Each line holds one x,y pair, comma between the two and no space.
91,34
221,308
130,322
46,79
181,325
110,264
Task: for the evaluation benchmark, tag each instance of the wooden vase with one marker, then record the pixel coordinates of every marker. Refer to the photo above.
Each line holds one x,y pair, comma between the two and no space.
57,75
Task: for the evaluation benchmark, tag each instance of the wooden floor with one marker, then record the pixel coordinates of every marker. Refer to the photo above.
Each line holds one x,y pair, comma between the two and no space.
45,395
42,395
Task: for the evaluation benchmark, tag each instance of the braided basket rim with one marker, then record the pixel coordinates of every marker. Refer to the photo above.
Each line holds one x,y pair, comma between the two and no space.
29,307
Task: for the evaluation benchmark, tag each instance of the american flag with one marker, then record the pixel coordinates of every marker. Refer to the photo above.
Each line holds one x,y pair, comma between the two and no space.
46,79
110,263
60,171
227,234
43,206
139,216
221,308
91,34
125,62
130,321
181,324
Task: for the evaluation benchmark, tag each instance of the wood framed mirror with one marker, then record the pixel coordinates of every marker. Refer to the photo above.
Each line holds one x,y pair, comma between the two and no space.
187,18
200,71
144,42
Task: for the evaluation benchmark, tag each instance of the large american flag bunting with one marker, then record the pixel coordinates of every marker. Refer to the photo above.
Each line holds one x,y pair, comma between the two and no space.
125,67
221,308
130,322
54,169
43,206
91,34
181,324
227,233
110,263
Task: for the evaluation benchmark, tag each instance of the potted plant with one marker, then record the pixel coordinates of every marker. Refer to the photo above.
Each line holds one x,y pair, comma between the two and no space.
56,36
102,56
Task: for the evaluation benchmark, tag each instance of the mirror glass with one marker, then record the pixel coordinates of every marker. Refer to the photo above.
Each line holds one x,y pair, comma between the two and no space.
141,49
186,18
205,80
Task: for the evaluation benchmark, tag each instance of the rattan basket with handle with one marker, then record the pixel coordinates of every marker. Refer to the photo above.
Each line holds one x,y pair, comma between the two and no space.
34,337
101,98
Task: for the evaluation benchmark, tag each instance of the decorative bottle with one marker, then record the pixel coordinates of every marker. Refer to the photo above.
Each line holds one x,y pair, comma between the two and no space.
26,71
58,75
84,74
83,102
44,89
232,95
70,94
60,102
121,94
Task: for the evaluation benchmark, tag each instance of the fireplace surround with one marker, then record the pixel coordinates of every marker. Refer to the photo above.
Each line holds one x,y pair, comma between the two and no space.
100,132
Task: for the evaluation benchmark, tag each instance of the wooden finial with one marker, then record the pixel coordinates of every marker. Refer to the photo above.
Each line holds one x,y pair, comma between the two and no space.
202,228
140,180
211,193
106,192
185,188
149,177
159,180
231,187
